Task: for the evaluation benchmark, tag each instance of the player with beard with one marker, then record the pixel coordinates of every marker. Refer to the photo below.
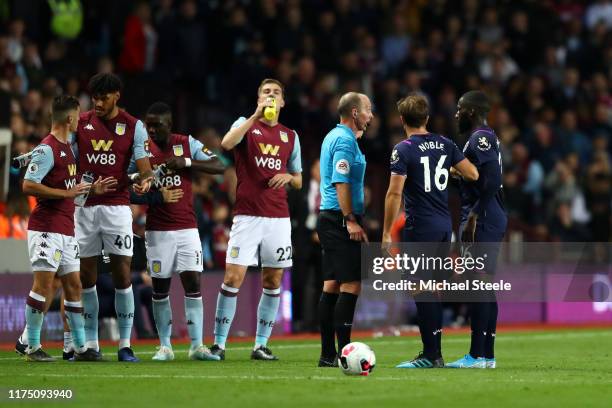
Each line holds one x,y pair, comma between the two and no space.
107,139
420,167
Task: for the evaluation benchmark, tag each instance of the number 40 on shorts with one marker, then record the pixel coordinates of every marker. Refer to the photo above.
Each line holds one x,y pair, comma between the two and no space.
125,241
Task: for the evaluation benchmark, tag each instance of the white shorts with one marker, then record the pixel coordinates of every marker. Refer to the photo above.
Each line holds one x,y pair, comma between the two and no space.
268,239
173,251
110,225
53,252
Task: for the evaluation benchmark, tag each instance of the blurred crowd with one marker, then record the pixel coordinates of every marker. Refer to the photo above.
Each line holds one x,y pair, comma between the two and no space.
547,66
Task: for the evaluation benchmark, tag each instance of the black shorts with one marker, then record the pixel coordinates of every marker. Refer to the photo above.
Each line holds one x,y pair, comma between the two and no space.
341,255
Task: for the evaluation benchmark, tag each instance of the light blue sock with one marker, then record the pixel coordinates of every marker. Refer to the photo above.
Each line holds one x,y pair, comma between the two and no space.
266,315
162,313
124,306
226,309
74,315
194,313
89,297
34,319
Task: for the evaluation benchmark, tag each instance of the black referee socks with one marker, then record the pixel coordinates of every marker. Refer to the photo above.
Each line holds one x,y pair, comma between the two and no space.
343,318
327,306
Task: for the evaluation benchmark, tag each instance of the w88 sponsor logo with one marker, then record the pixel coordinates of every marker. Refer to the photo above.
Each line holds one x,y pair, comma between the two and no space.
268,162
102,158
169,181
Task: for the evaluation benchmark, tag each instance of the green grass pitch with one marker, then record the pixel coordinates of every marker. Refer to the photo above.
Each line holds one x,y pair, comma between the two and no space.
562,368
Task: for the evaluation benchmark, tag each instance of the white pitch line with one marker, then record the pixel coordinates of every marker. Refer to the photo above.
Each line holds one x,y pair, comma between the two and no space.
432,378
398,340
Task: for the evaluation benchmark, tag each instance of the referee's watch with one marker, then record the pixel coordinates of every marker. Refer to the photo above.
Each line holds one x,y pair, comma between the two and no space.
350,217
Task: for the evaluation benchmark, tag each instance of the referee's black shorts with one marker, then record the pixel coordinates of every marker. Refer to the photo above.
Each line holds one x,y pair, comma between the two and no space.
341,255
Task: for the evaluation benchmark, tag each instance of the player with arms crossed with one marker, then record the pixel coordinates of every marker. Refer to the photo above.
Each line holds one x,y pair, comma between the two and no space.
172,239
107,138
483,221
420,171
52,178
267,156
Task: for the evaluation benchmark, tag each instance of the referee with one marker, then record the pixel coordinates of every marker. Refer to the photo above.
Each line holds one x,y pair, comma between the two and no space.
342,172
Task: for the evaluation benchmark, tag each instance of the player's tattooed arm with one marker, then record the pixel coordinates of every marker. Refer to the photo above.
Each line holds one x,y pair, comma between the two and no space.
42,191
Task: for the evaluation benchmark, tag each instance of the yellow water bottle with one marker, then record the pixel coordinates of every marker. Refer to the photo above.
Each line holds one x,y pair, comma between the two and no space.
270,111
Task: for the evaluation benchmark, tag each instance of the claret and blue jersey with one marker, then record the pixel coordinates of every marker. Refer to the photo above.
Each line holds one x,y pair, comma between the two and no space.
425,160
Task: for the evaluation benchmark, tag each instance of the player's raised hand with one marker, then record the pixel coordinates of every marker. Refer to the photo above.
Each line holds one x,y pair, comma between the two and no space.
104,185
176,163
77,190
171,195
280,180
259,112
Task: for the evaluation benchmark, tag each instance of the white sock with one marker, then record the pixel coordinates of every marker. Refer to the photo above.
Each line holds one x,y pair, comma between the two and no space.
24,336
68,342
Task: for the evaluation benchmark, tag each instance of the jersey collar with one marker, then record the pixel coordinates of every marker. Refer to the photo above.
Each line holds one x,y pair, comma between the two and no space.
346,129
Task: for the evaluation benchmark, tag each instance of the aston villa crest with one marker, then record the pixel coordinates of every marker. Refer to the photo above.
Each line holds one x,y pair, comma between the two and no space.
178,150
120,129
284,137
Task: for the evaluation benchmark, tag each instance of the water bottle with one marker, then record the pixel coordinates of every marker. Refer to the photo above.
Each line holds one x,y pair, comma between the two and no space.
22,161
270,111
82,198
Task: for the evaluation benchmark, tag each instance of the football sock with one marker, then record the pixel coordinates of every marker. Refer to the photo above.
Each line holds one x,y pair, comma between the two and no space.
327,306
194,313
68,344
489,349
343,318
266,315
162,314
429,310
479,319
226,308
24,336
124,306
35,305
89,297
76,336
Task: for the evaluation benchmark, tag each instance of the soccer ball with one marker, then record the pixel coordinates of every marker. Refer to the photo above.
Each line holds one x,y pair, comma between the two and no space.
357,359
